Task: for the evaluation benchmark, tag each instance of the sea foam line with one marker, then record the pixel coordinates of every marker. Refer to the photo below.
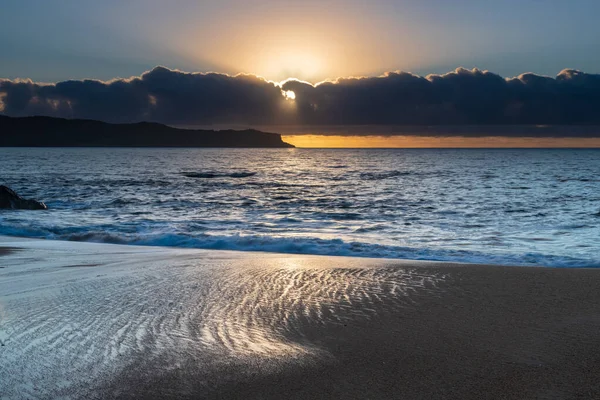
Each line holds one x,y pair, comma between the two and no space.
303,245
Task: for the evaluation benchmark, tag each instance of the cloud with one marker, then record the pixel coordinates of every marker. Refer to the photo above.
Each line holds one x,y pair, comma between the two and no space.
160,95
460,97
468,97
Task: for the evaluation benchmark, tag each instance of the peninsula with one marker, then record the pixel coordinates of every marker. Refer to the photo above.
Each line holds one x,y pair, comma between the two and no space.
59,132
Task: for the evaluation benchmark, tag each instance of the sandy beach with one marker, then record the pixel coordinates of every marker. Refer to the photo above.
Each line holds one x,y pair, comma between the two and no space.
82,320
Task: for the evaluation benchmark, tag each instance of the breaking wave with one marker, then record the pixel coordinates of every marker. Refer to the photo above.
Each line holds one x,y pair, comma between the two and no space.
301,245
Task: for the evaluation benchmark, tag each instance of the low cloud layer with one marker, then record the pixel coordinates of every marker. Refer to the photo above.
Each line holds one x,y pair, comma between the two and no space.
466,97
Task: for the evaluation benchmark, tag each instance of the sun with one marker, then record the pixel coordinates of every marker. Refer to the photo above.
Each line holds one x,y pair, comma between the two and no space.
289,95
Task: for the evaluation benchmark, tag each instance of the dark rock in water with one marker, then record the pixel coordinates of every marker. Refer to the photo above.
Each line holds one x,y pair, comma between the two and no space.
209,175
9,199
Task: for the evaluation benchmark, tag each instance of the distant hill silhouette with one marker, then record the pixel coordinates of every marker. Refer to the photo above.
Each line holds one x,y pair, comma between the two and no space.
58,132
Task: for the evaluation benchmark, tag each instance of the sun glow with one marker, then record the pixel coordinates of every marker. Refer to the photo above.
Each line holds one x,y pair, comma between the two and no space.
300,63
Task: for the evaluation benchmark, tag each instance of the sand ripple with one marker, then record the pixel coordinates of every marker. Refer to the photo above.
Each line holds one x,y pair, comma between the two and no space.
68,330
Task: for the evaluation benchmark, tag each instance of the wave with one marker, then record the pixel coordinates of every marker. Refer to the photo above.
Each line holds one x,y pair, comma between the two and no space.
209,175
301,245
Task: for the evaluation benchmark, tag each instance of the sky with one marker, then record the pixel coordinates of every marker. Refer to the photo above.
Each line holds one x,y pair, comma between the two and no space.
285,47
310,40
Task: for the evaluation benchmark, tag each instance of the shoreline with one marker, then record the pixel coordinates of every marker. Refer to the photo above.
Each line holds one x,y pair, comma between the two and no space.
572,264
108,321
30,243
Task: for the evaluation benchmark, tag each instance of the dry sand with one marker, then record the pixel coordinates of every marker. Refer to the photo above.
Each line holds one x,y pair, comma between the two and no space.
131,322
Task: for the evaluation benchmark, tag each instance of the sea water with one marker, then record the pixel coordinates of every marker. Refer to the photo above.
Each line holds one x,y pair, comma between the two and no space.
503,206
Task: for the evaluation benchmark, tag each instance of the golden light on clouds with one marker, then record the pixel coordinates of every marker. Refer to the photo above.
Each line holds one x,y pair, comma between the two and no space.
338,141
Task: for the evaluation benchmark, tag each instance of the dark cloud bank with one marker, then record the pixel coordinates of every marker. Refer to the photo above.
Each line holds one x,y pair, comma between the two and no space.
461,97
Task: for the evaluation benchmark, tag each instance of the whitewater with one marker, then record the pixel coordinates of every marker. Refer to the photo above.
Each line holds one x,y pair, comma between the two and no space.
497,206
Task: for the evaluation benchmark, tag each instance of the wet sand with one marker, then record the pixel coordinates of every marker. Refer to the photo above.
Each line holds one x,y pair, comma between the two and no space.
132,322
6,250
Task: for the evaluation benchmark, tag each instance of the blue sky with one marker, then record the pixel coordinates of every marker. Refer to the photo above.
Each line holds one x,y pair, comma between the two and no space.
313,40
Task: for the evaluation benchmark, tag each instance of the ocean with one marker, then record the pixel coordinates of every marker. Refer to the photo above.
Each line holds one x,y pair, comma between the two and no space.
499,206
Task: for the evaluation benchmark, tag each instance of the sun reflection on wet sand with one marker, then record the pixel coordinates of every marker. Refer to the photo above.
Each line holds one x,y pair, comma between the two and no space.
269,309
